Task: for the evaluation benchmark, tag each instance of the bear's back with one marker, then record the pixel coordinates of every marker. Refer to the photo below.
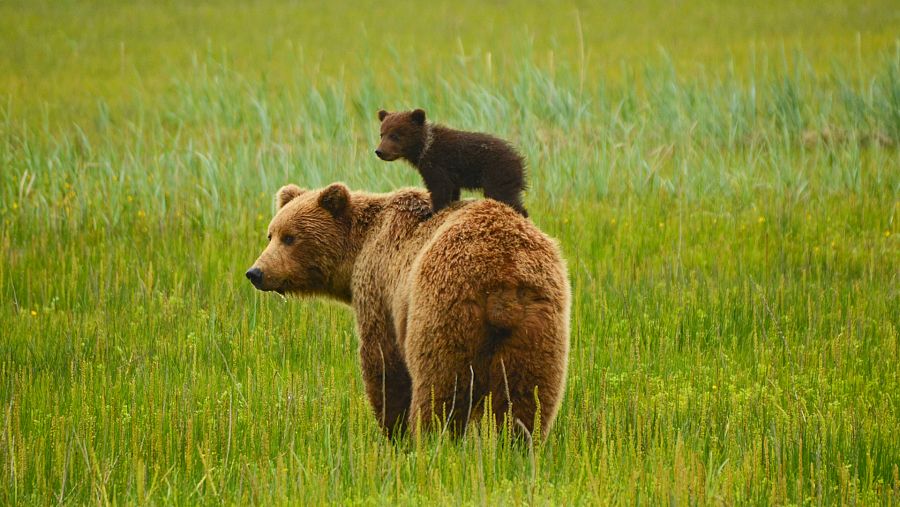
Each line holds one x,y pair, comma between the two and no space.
482,246
472,245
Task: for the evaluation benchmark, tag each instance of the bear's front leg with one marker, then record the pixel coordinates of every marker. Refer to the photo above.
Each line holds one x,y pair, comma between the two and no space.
386,378
439,186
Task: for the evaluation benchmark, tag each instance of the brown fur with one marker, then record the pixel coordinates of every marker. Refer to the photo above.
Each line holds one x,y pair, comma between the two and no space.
471,303
449,159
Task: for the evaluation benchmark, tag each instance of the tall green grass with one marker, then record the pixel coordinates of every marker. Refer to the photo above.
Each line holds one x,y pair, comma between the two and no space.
729,214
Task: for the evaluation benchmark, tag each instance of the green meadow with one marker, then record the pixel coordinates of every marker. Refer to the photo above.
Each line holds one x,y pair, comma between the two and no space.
723,179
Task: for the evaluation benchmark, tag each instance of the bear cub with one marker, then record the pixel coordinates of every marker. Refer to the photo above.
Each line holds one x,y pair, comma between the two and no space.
449,160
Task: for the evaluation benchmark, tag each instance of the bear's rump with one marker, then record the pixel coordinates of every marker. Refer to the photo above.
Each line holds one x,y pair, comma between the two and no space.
495,280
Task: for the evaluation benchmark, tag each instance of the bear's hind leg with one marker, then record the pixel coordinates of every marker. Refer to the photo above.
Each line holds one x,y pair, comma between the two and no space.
448,375
506,190
528,368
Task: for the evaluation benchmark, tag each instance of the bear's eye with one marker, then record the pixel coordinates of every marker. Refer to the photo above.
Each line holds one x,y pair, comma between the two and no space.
287,240
393,137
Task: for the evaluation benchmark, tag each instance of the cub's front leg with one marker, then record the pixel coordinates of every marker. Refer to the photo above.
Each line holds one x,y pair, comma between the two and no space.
440,188
386,378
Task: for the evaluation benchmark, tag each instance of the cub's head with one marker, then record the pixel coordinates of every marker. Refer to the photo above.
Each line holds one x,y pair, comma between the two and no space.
308,240
402,134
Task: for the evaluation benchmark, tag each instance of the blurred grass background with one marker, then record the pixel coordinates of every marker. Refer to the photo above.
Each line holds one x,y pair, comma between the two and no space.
723,178
63,57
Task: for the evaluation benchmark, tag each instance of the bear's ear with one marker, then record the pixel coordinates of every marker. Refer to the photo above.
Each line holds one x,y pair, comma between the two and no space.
286,194
382,114
418,116
336,199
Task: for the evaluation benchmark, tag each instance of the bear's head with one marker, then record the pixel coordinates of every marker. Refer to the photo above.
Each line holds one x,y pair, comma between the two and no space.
403,134
308,243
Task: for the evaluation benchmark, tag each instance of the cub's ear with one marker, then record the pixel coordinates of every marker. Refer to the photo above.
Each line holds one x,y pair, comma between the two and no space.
286,194
336,199
382,114
418,116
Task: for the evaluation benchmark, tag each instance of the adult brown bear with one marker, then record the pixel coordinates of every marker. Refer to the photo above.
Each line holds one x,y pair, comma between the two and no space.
471,303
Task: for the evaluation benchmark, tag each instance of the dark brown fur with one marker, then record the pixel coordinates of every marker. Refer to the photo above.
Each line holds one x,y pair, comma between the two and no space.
452,159
470,304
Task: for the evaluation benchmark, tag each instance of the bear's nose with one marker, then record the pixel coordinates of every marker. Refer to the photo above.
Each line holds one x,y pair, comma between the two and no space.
379,153
255,275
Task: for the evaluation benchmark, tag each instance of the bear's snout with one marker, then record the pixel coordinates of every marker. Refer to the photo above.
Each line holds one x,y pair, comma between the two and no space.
387,153
255,275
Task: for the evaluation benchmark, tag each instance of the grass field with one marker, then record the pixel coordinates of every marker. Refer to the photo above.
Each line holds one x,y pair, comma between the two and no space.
723,178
